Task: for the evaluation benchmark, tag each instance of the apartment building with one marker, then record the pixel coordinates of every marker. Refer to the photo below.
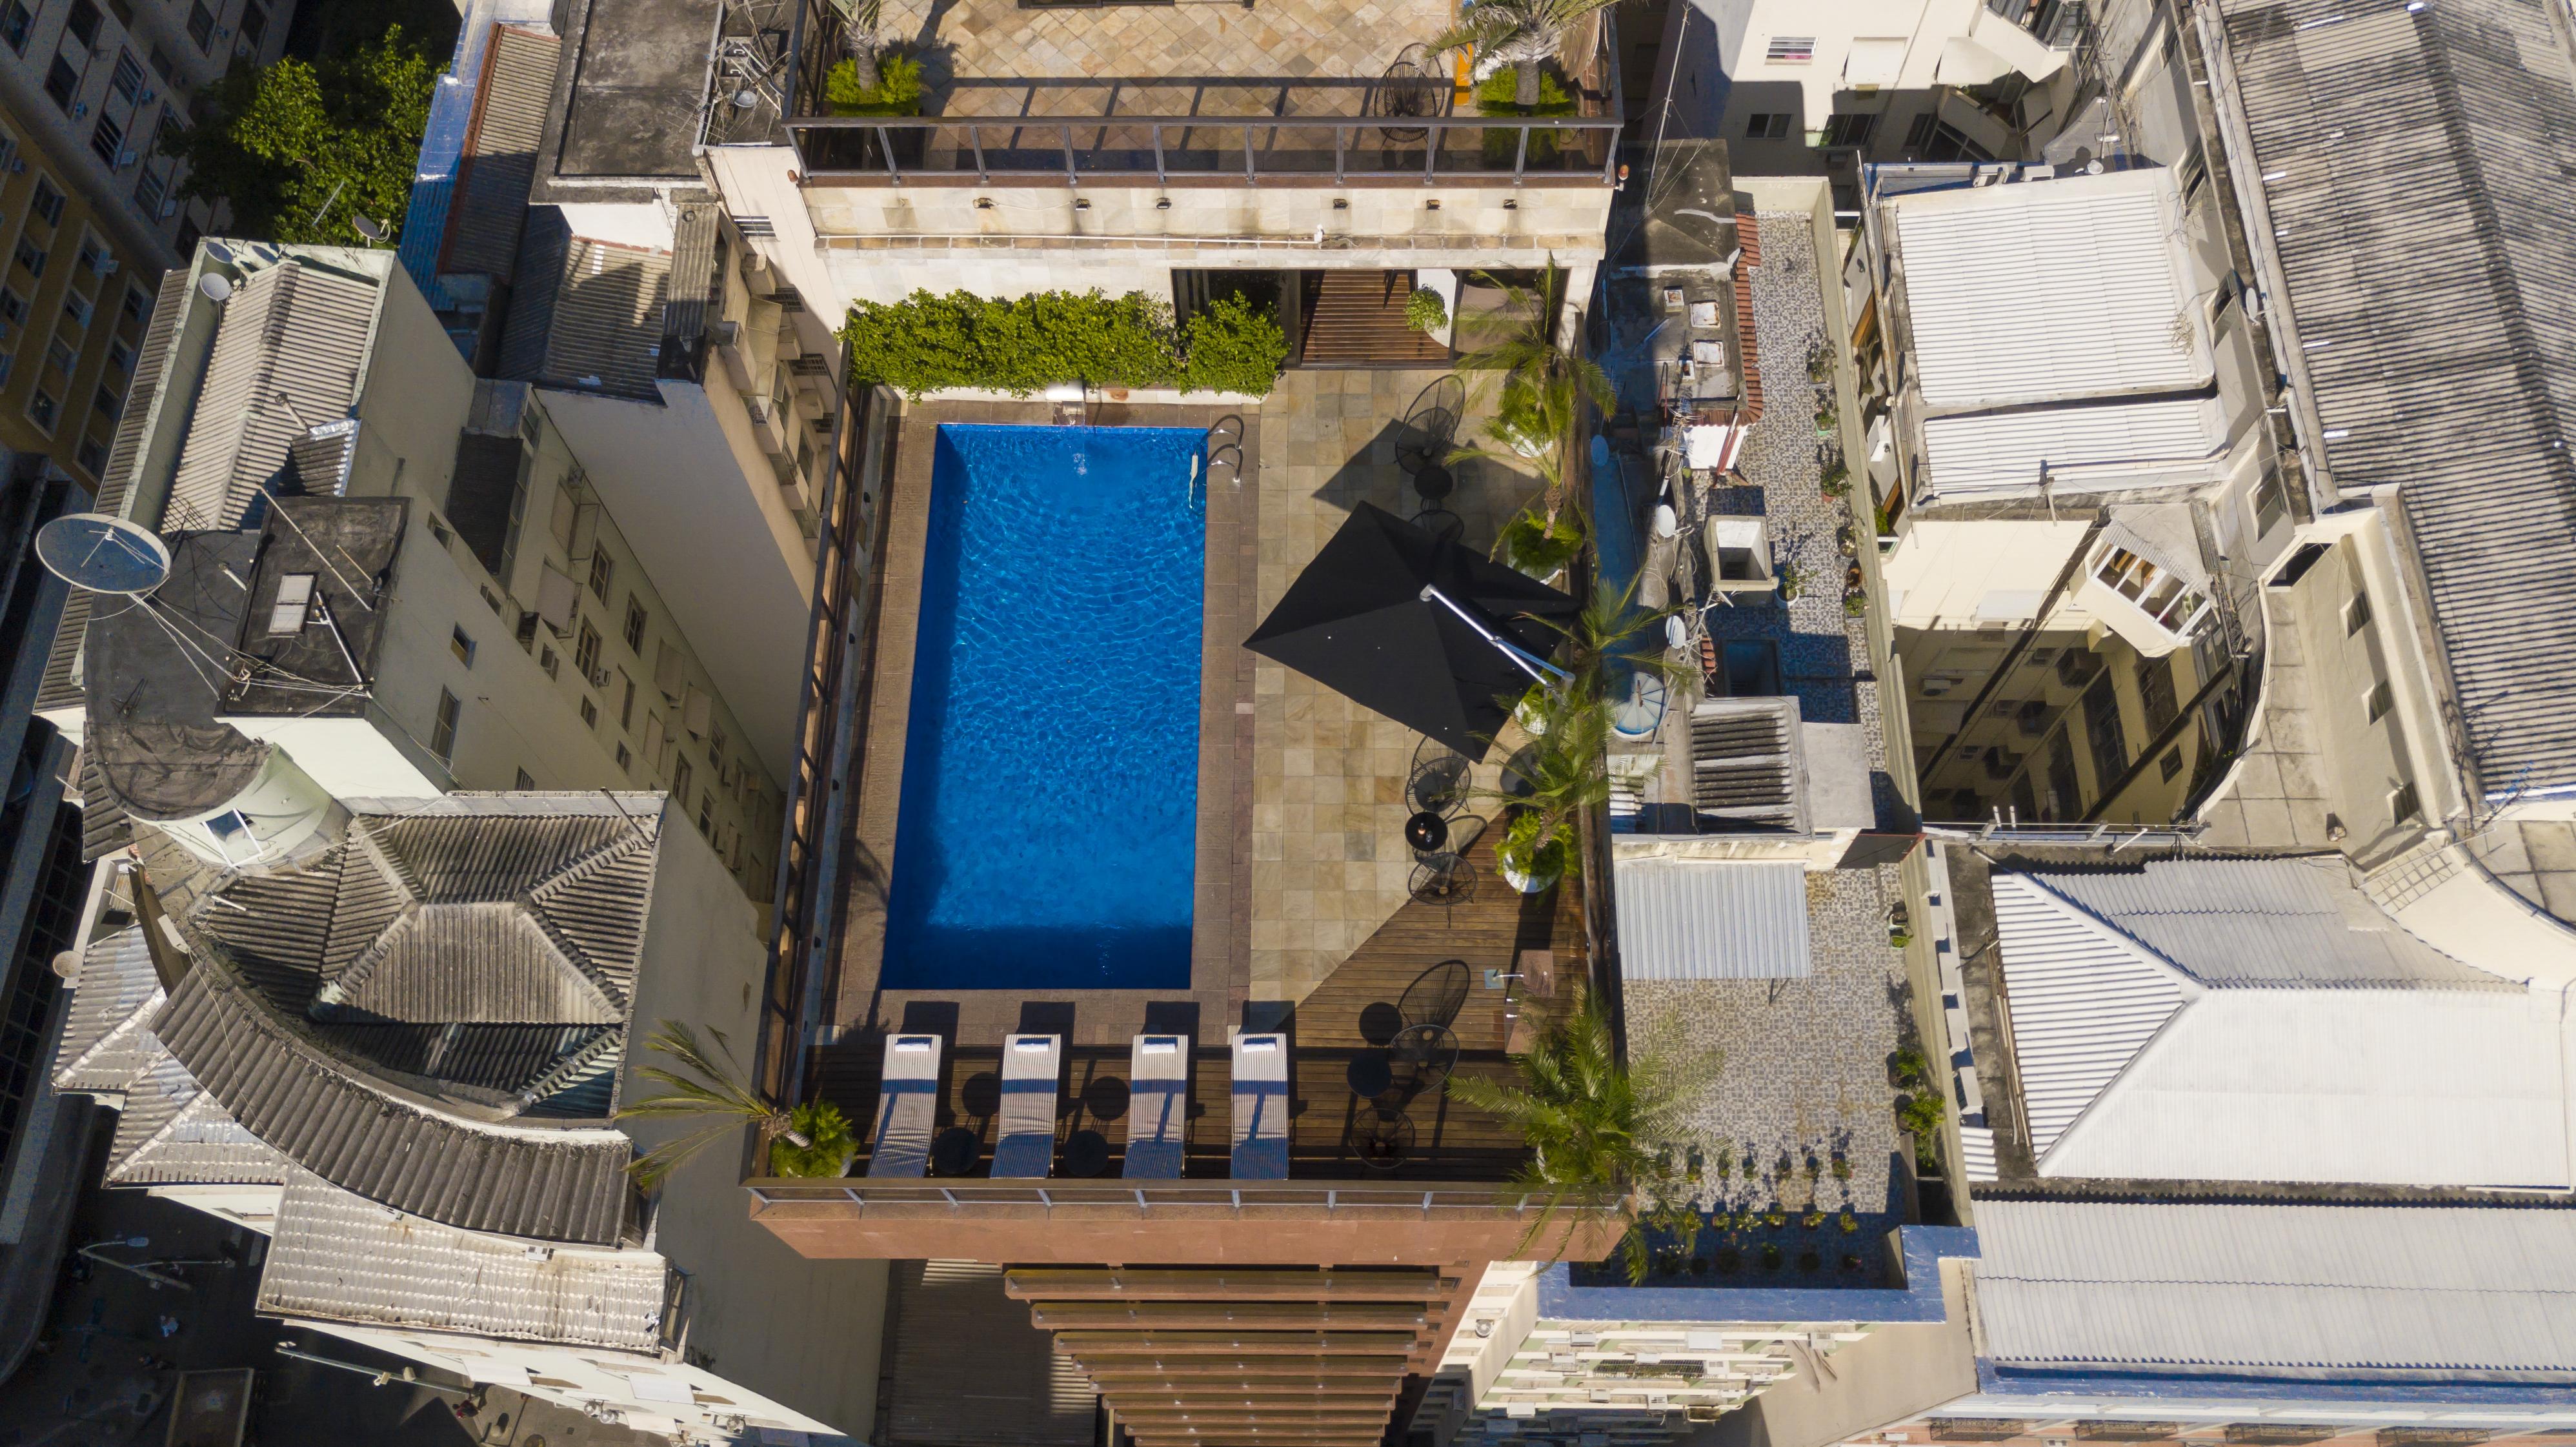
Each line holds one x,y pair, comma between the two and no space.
73,308
399,581
1807,90
588,259
468,979
96,87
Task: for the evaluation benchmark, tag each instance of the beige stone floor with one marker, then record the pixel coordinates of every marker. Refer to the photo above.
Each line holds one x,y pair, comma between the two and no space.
975,40
1329,863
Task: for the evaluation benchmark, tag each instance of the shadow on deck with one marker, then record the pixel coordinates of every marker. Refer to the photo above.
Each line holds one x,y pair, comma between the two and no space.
1427,961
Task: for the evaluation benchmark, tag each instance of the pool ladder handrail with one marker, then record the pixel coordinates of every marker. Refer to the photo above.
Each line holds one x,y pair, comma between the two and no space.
1223,445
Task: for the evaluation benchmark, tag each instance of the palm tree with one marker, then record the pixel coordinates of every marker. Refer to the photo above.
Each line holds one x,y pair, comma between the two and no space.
1542,383
1517,33
1592,1123
1611,627
1563,772
710,1086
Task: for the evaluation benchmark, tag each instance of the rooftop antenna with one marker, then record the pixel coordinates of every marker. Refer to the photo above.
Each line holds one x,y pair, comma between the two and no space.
370,228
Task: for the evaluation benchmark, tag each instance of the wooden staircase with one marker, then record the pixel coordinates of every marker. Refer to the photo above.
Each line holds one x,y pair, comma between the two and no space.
1356,319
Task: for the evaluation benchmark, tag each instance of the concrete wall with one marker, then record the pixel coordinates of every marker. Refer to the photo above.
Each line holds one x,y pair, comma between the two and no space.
2365,761
801,1331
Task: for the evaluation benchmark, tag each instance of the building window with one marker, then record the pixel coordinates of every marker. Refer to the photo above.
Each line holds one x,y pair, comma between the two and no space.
31,256
127,79
43,408
15,23
634,626
442,732
626,708
62,354
680,777
83,22
1790,50
2170,764
546,660
526,781
91,455
254,26
2379,701
294,603
2403,805
164,66
13,307
601,571
120,355
95,259
589,714
1766,126
107,403
2156,693
707,816
625,758
149,189
2162,596
461,645
2102,730
201,24
78,308
2356,614
138,306
527,631
1850,130
585,651
62,83
49,201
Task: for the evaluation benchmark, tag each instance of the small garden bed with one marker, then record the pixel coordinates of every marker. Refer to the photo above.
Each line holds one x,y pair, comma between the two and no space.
1026,344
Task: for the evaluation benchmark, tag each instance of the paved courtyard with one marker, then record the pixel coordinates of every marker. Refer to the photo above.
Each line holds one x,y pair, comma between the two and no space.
1329,864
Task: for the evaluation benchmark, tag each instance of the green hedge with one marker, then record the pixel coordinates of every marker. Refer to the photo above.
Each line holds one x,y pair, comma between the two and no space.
1028,343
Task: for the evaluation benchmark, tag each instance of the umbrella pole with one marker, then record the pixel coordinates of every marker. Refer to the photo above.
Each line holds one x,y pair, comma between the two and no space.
1530,663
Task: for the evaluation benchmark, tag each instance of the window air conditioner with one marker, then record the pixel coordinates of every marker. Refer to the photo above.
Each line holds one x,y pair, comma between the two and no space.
79,109
125,160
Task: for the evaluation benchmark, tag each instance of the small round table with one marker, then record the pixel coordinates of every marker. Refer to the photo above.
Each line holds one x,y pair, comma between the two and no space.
1421,1056
954,1151
1371,1075
1434,483
1086,1153
1427,832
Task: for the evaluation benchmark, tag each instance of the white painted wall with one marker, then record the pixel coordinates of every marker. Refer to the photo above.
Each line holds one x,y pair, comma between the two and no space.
683,500
1941,572
803,1332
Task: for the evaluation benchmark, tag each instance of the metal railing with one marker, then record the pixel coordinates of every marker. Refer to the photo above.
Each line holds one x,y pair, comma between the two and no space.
847,150
1230,130
966,1193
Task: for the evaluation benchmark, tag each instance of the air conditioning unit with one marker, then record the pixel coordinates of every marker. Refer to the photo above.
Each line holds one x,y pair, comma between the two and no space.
79,109
126,159
148,96
599,676
108,267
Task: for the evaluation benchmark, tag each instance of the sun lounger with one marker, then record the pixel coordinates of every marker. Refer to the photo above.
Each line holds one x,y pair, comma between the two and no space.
1158,1105
1031,1066
907,1102
1261,1107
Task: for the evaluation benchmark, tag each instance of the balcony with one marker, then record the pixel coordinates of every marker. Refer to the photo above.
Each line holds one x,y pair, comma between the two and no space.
1197,116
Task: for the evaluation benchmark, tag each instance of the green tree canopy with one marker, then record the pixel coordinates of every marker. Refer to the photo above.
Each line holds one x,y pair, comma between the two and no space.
278,141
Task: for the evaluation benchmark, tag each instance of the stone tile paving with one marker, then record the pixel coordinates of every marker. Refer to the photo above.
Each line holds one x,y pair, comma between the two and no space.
1329,864
982,40
1800,1066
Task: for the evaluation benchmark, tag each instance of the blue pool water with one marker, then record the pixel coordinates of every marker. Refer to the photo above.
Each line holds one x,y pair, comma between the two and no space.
1050,768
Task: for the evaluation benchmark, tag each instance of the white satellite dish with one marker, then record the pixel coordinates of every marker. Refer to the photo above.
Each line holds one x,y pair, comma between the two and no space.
369,227
103,554
217,287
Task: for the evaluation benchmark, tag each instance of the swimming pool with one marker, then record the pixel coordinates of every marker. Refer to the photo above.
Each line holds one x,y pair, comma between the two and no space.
1047,832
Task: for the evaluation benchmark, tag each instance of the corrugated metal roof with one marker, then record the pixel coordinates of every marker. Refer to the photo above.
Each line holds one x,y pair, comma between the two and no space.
2413,162
293,331
2082,1001
124,454
172,1133
2293,1289
2291,920
499,159
2102,445
2050,290
1711,919
106,1041
337,1257
606,331
2340,1057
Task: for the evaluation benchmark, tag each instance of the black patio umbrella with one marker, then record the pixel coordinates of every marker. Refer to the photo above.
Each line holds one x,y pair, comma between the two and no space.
1417,628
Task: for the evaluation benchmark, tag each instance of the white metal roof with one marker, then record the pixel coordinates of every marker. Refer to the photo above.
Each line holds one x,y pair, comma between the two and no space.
1711,919
2309,1049
2047,290
2174,440
2297,1289
340,1257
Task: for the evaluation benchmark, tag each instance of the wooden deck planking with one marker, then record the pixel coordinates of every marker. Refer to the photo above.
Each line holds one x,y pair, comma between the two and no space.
1451,1142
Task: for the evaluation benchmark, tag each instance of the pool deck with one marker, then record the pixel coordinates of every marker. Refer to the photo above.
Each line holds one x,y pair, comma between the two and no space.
1220,923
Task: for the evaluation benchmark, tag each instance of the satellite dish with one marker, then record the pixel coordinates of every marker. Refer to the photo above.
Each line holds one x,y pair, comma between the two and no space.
369,227
217,287
103,554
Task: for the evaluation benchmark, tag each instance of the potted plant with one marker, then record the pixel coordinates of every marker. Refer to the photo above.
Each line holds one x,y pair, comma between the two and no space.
831,1143
1850,1222
704,1086
1516,34
1770,1256
1532,854
1837,479
1820,362
1828,423
1793,581
1537,545
1855,604
1811,1220
1424,311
